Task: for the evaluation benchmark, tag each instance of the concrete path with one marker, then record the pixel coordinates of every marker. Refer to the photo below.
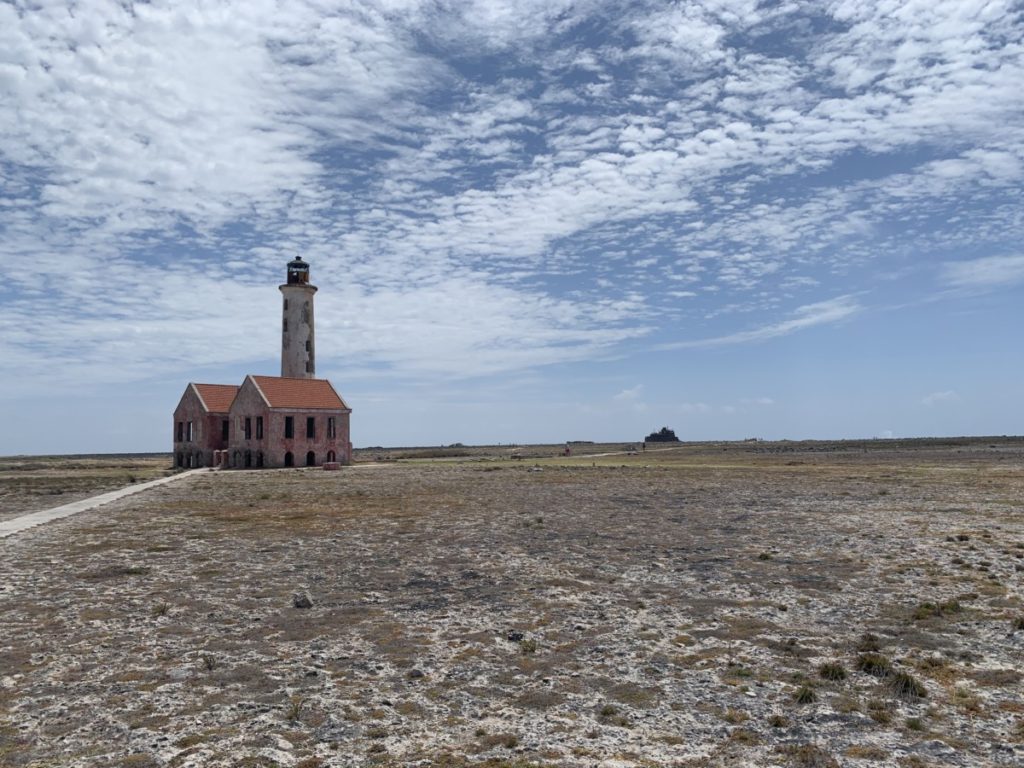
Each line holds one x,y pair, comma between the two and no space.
19,524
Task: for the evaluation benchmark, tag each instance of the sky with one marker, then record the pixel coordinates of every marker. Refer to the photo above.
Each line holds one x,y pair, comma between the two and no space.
529,221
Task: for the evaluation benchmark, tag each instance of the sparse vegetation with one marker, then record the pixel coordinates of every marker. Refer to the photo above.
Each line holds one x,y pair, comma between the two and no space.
874,664
869,643
653,586
611,715
880,711
805,694
293,709
807,756
528,645
928,610
905,686
865,752
833,671
735,716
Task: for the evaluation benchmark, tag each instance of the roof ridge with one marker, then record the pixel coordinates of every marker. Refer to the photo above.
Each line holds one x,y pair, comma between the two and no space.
259,389
202,400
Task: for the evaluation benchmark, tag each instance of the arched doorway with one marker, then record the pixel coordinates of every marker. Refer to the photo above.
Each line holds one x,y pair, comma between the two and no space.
199,460
289,460
331,457
181,460
237,459
248,459
259,458
311,459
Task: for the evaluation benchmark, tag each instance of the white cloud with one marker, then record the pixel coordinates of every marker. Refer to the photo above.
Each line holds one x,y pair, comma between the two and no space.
687,408
483,186
630,395
632,399
807,316
937,398
986,272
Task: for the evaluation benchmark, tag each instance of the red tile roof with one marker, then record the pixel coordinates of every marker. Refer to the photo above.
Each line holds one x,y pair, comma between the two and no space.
283,392
216,397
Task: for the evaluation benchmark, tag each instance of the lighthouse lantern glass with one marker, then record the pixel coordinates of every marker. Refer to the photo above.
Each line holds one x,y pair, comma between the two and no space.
298,272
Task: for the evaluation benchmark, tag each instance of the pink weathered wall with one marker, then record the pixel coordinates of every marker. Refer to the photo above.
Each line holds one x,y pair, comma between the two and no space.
274,444
206,432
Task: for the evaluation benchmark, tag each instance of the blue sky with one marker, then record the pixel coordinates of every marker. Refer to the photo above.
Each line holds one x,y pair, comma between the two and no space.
529,221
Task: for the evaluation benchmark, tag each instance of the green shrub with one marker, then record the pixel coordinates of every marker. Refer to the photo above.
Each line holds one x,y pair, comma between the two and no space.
905,686
868,643
832,670
293,710
874,664
928,610
805,695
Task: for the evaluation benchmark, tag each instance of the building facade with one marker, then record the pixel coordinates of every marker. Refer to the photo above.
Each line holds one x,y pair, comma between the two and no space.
287,422
201,423
292,420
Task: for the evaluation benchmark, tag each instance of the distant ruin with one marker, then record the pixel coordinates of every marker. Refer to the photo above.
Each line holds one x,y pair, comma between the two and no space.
664,435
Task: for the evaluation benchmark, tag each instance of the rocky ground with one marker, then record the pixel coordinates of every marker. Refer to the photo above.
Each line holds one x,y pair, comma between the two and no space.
762,604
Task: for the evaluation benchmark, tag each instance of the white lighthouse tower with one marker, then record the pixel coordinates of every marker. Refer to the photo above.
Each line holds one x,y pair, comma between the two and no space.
298,349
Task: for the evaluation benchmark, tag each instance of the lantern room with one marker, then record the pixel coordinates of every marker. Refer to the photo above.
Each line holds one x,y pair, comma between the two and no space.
298,272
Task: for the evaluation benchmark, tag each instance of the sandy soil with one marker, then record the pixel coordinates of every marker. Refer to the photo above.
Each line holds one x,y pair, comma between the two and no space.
767,604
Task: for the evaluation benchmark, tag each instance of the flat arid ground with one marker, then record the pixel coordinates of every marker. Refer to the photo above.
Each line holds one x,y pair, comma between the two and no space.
759,604
30,483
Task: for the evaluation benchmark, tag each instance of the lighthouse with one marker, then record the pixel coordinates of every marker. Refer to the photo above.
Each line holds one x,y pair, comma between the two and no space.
298,348
290,420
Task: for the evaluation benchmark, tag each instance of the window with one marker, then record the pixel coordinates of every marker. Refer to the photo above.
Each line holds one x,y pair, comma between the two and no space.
188,431
289,427
308,345
309,366
331,428
180,433
285,325
286,304
224,427
248,429
259,428
310,427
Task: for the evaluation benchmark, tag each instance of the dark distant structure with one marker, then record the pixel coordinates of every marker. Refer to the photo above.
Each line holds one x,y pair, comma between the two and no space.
664,435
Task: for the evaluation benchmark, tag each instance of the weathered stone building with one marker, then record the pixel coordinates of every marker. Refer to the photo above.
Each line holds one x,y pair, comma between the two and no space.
269,421
201,423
